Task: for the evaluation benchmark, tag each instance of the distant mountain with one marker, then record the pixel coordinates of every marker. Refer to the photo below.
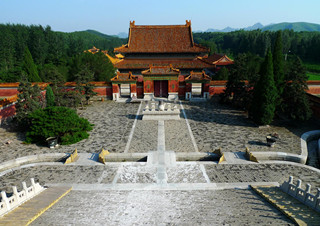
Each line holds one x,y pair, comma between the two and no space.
254,27
122,35
100,34
229,29
299,26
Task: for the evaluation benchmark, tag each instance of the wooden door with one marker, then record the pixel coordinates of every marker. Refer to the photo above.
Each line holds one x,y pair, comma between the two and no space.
161,88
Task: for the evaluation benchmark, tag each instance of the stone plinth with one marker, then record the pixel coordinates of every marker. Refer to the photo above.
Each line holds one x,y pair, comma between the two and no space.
158,111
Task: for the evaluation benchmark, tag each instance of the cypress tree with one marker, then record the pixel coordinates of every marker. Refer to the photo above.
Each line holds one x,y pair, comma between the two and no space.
295,100
50,97
278,64
29,67
265,94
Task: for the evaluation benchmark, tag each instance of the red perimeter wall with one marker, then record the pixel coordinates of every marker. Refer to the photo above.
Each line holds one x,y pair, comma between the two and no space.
7,106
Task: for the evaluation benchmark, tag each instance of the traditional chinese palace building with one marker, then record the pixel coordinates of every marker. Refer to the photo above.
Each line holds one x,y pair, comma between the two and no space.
163,61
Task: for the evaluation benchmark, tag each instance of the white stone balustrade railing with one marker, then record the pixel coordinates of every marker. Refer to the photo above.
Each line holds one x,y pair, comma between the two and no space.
9,203
303,195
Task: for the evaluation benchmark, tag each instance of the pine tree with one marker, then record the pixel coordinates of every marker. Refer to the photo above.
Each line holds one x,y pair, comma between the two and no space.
295,101
29,100
29,67
265,94
278,65
49,97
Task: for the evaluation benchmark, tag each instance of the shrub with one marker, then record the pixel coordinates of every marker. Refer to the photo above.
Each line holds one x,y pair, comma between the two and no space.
49,97
60,122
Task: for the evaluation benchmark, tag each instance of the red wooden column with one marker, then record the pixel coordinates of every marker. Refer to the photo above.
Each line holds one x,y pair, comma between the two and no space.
206,87
205,91
115,91
188,87
182,87
133,90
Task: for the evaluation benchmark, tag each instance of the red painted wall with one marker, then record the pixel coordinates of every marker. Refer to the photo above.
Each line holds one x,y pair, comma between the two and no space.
148,86
7,112
173,86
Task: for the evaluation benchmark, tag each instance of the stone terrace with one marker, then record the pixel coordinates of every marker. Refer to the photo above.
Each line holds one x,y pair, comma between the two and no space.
190,193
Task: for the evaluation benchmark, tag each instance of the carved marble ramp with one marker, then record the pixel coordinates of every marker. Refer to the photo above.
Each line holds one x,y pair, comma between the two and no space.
32,209
161,158
291,207
235,158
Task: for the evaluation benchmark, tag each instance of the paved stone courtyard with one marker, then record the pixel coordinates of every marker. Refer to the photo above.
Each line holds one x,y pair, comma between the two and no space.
228,207
164,192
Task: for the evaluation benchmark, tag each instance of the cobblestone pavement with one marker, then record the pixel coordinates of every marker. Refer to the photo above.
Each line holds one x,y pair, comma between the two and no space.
212,124
177,136
228,207
144,137
215,125
113,123
58,174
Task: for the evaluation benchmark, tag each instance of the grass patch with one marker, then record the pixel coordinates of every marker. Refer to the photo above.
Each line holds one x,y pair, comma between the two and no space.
312,68
312,76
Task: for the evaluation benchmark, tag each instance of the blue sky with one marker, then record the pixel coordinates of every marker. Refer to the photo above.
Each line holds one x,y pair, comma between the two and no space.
112,17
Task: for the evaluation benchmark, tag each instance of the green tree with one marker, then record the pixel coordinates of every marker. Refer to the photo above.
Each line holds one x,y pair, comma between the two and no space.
246,67
49,97
278,65
295,101
29,67
29,100
60,122
50,73
84,87
265,94
222,74
235,88
97,63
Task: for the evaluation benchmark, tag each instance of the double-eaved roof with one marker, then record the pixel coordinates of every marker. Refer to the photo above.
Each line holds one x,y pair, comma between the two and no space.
161,39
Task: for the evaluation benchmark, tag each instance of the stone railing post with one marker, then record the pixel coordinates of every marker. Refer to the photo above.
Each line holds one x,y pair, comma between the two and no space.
291,180
34,186
5,200
15,193
25,188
